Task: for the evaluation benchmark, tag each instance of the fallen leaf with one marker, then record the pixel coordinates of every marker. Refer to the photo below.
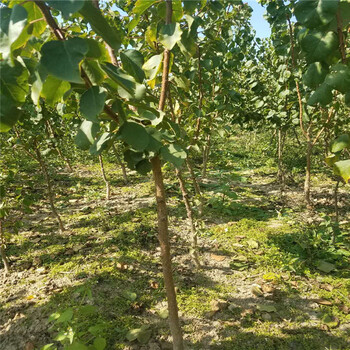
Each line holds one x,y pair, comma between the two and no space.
266,316
29,346
239,237
330,321
154,284
218,257
253,244
326,286
268,289
30,297
129,295
256,290
324,302
266,308
325,266
247,312
345,309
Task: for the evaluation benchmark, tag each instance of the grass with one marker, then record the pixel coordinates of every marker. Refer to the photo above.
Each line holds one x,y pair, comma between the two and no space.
106,267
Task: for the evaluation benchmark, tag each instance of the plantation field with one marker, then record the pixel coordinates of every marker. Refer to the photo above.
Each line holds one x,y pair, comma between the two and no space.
269,277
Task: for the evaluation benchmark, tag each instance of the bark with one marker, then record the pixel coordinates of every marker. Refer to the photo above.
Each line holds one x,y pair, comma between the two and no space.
108,188
163,236
122,165
49,187
2,249
189,211
307,185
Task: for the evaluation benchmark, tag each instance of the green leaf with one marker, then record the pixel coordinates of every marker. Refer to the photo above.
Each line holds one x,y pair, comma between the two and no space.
37,27
325,266
101,26
170,34
266,308
62,58
66,316
318,46
342,168
154,116
76,346
331,159
92,102
144,167
100,343
129,295
132,63
315,74
347,99
323,95
40,75
12,22
132,158
86,134
340,143
153,66
125,81
164,313
315,13
144,335
14,82
151,35
174,154
135,135
67,7
187,44
54,89
96,50
94,72
142,5
339,78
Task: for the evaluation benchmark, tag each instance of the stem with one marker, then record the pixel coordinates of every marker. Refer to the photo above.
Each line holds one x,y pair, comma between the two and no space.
206,152
49,186
120,162
163,237
163,232
308,172
189,211
2,249
341,37
108,189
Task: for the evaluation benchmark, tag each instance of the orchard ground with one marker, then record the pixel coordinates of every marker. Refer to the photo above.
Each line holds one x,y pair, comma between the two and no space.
270,278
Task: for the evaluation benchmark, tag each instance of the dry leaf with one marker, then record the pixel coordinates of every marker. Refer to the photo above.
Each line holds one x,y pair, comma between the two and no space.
324,302
326,286
218,257
257,290
268,289
154,284
30,297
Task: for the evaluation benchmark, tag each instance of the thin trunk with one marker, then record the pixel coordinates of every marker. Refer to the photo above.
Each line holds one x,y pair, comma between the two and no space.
108,189
120,162
2,249
280,174
163,233
163,236
49,187
189,211
307,185
336,210
52,134
206,152
197,189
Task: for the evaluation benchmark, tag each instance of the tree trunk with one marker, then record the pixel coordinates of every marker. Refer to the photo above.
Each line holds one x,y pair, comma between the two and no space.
307,185
206,152
163,236
52,134
2,249
49,187
189,211
108,189
120,162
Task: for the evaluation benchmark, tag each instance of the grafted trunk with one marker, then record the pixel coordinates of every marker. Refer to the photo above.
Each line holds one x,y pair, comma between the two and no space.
189,211
163,236
108,188
49,187
2,249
